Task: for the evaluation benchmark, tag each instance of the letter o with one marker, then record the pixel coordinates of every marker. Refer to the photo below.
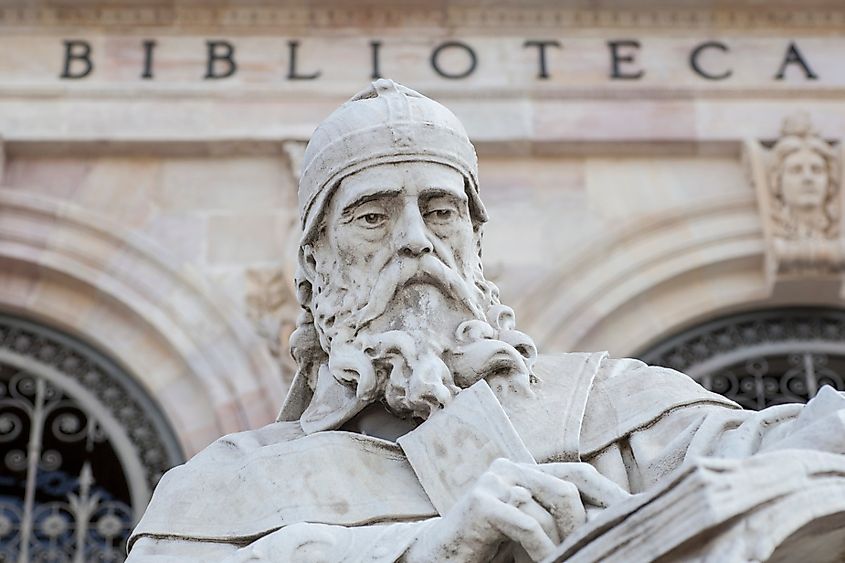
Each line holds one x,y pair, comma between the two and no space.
435,55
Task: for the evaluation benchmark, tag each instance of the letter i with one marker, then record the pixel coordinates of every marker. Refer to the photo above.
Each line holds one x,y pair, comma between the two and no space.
148,45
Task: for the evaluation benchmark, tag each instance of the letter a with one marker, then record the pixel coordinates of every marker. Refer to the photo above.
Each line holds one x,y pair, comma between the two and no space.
793,56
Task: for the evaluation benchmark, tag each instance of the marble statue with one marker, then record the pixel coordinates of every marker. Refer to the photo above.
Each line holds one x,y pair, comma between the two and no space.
799,192
804,181
422,425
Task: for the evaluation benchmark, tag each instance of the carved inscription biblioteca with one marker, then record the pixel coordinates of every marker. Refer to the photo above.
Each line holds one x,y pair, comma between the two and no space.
624,58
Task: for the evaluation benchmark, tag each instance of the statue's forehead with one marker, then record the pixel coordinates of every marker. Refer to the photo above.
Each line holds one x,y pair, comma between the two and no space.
805,153
412,178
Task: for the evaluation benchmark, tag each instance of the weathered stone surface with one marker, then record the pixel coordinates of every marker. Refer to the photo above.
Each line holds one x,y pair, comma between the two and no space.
503,454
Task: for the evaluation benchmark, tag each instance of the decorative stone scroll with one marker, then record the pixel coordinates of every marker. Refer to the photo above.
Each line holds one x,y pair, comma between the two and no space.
272,308
269,297
81,448
799,190
295,151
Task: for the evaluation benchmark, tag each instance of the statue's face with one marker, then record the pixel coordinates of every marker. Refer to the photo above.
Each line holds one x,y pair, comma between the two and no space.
405,210
400,302
804,180
399,220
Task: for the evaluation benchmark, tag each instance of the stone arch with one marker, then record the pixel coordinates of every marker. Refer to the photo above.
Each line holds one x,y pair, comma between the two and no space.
761,357
189,348
651,278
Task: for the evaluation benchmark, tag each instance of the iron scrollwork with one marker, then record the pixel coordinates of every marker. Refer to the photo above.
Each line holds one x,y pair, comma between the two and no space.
763,358
76,471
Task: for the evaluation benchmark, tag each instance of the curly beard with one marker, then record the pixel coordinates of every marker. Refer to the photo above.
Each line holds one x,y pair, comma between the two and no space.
418,335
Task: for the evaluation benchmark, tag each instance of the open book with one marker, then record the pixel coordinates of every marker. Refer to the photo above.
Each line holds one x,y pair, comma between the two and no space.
786,505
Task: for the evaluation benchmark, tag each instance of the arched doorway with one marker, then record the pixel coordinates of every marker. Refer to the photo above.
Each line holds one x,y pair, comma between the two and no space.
761,358
81,448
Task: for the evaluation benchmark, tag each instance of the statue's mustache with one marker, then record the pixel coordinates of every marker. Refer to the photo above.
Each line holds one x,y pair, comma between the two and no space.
399,272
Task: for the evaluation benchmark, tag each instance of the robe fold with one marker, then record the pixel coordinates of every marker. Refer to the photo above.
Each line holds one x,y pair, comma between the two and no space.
633,422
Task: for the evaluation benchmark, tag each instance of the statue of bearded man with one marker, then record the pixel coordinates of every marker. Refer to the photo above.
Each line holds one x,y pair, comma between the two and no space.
397,323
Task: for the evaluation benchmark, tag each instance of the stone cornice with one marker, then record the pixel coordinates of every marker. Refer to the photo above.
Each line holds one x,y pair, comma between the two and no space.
273,18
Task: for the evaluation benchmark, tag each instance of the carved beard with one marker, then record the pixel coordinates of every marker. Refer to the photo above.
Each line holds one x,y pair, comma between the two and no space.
418,334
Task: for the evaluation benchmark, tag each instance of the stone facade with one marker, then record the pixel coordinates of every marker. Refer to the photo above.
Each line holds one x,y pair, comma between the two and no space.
148,199
423,425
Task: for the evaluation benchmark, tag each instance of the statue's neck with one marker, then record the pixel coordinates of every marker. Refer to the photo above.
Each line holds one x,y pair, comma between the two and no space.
377,422
809,220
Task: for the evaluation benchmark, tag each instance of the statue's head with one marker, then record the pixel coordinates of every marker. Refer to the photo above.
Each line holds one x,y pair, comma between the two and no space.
395,306
804,178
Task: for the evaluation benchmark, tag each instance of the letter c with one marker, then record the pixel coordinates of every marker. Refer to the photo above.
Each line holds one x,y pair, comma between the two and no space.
694,64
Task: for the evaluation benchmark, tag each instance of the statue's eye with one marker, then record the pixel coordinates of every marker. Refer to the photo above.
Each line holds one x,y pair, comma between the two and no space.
372,219
441,214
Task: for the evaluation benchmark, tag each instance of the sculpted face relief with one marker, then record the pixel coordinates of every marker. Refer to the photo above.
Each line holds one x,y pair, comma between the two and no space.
804,180
803,173
395,222
400,301
396,312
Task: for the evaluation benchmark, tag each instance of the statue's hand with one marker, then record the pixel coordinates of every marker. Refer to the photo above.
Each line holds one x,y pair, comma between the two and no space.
535,506
820,426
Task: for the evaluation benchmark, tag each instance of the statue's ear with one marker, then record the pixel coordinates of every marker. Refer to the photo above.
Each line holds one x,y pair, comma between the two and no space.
331,405
307,261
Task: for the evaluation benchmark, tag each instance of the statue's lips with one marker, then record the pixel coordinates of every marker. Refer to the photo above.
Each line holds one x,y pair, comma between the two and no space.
811,190
422,279
427,271
423,301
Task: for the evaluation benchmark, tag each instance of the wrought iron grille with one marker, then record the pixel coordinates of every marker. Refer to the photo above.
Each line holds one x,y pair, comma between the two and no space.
762,358
82,447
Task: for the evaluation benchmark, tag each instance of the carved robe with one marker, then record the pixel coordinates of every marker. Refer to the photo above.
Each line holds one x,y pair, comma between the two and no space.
275,494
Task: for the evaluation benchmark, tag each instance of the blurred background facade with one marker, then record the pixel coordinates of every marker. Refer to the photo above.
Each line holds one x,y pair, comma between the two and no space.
663,180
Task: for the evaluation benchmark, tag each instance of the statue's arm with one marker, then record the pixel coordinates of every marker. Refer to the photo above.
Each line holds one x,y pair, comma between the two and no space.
639,459
512,506
303,542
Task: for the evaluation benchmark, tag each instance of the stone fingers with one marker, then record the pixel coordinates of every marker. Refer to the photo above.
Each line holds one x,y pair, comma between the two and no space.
520,527
556,499
525,502
503,486
595,488
559,498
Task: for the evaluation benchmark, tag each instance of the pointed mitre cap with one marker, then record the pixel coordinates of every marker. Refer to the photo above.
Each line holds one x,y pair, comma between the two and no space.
386,123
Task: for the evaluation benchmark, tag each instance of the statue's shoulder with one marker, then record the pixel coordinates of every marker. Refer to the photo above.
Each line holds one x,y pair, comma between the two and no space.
549,418
600,369
242,443
627,395
594,400
563,363
247,484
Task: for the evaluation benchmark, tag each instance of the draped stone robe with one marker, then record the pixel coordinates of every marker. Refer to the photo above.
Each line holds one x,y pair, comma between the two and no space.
275,494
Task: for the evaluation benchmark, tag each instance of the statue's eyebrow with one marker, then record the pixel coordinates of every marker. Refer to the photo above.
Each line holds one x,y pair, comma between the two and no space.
387,192
432,192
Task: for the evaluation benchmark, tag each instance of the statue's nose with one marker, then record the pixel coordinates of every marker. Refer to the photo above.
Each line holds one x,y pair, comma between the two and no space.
413,236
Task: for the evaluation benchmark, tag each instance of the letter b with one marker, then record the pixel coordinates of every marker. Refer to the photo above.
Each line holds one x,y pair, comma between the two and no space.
221,52
77,50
